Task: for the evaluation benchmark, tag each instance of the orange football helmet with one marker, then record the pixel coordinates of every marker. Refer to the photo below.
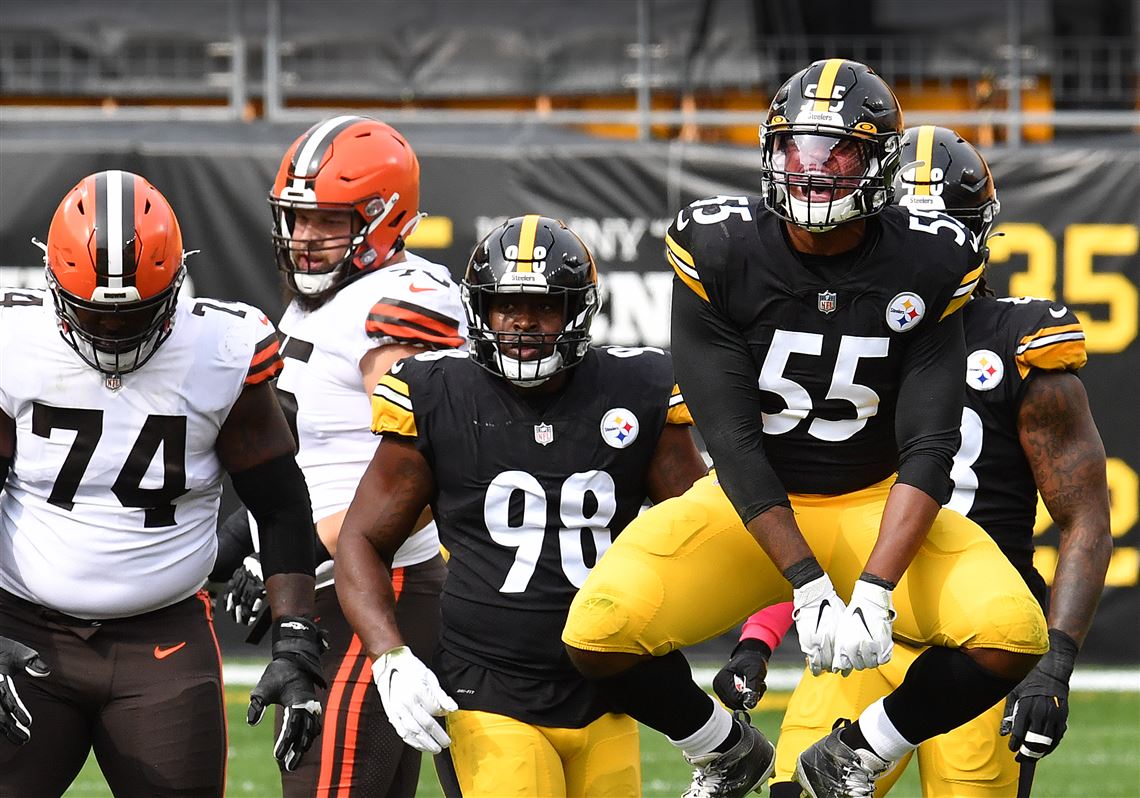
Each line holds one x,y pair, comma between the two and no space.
114,266
352,165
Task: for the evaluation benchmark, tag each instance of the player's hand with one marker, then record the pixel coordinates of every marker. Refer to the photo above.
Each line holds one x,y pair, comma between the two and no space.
1037,711
14,716
863,639
291,679
740,683
245,593
816,611
412,699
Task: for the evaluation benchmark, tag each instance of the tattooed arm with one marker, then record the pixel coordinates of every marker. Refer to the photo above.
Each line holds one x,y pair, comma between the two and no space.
389,499
1067,457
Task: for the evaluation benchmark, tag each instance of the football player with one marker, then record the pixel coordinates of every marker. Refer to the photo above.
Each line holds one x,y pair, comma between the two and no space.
533,450
1026,427
121,409
817,334
344,202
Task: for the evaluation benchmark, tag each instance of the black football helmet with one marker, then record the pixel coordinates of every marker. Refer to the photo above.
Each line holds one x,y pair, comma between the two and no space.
531,255
941,171
830,145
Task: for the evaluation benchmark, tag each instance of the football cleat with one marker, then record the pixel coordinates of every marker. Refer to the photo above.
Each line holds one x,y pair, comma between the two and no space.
832,769
744,768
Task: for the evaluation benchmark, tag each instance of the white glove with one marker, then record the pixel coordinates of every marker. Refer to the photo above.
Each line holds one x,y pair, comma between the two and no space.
412,696
863,639
816,611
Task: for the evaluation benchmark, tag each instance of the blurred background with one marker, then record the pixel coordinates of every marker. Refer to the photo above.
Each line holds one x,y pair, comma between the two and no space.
611,114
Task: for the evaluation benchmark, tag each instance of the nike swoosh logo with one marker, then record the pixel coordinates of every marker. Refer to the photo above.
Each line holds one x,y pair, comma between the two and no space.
1058,313
163,653
823,606
415,289
859,612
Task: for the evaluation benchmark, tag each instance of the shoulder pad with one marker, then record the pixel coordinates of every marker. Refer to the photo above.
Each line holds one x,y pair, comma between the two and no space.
697,242
401,392
248,331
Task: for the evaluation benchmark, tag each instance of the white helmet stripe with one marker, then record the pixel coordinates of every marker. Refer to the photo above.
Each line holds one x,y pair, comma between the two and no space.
115,228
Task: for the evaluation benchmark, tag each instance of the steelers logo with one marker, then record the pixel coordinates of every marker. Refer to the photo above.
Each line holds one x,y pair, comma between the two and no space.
984,370
619,427
905,311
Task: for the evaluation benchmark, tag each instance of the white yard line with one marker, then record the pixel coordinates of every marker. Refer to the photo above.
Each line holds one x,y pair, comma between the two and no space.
1101,680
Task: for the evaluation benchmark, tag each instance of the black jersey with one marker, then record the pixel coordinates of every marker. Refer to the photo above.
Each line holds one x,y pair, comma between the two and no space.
823,362
1008,341
529,495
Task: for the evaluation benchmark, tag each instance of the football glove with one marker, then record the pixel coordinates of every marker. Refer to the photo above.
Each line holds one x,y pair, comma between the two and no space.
412,699
740,683
863,637
816,611
14,716
245,593
290,680
1037,711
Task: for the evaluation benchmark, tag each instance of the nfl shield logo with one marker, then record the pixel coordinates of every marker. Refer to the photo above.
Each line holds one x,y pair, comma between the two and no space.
826,303
543,434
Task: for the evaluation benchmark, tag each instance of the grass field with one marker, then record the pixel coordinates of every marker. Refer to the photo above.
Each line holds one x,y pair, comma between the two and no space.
1100,757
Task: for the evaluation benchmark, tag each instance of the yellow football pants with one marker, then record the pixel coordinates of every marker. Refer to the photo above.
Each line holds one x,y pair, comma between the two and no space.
687,570
496,756
971,761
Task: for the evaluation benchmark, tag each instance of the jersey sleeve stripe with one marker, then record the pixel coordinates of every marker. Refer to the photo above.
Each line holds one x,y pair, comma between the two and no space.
407,322
266,362
392,408
682,263
678,412
954,306
966,287
1064,356
1070,332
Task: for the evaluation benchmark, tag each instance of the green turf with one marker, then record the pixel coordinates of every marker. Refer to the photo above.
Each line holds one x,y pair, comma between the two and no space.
1100,757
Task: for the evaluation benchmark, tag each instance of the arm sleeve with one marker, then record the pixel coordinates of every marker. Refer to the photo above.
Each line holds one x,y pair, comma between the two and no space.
719,380
929,412
769,625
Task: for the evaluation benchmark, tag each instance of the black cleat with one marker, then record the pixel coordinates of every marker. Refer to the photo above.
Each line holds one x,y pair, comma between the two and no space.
745,767
832,769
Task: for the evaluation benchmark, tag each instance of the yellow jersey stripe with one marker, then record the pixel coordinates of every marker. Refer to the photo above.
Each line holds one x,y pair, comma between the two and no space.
1062,356
925,155
826,84
1047,331
678,412
693,283
955,305
973,276
526,242
390,417
679,251
397,385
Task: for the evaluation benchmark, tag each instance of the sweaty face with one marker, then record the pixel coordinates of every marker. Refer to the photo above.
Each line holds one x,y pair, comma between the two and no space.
320,238
818,167
531,323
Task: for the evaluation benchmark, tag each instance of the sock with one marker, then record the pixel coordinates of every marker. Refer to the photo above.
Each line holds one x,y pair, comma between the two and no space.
943,689
785,789
711,735
875,732
661,693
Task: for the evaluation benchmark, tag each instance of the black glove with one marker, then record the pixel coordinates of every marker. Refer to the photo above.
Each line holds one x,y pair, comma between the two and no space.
245,593
290,680
740,683
1037,711
14,716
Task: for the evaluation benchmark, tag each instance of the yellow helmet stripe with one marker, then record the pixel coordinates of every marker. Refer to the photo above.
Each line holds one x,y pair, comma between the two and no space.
826,84
526,242
925,156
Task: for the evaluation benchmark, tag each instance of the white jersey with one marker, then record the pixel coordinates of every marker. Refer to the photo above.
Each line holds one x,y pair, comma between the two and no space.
414,302
110,507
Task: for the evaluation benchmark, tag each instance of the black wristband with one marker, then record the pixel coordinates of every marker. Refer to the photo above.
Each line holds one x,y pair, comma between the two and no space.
752,644
1063,650
878,581
806,570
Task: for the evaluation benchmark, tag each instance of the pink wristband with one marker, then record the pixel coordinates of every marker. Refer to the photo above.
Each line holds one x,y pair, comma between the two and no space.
769,625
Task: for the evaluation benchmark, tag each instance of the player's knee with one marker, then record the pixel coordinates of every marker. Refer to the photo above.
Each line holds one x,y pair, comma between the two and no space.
601,664
1006,664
